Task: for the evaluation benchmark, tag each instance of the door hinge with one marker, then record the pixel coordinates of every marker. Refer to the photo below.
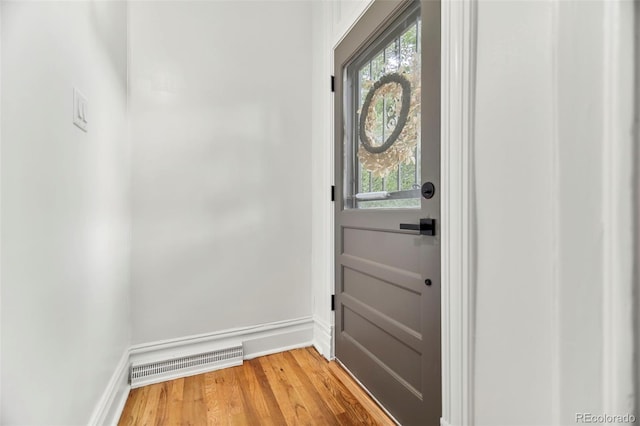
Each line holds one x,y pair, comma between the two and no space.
333,302
333,192
333,83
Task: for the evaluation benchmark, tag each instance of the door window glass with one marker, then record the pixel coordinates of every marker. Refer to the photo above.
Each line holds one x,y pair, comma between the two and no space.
382,117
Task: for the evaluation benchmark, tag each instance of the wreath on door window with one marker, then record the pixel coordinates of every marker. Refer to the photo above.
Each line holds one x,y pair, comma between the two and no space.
400,115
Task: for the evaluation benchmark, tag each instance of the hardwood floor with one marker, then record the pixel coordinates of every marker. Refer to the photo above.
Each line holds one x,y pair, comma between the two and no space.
297,387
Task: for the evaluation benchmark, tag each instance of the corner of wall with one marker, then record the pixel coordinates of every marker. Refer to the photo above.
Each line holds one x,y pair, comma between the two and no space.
261,340
114,397
323,338
258,340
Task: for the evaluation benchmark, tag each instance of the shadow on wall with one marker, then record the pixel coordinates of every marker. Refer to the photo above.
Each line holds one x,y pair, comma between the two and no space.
102,16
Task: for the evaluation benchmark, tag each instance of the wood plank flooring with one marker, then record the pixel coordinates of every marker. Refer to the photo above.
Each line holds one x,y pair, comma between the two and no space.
297,387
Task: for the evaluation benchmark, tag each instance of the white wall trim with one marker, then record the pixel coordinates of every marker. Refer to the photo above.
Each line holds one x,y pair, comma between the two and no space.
1,6
345,24
554,194
322,275
617,157
112,402
458,224
259,340
322,338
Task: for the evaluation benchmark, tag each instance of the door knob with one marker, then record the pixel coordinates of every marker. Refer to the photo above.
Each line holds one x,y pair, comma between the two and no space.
426,226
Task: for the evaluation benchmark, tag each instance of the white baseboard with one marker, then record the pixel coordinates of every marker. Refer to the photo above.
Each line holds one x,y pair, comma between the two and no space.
443,422
322,338
259,340
263,339
111,404
277,337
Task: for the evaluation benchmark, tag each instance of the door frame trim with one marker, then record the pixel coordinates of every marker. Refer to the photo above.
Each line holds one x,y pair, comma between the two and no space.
617,208
459,253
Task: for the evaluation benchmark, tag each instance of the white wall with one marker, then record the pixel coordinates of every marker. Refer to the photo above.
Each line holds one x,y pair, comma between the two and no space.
513,179
554,190
580,133
221,132
65,210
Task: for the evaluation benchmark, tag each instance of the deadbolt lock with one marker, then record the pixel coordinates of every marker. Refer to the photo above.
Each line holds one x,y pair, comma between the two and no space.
428,190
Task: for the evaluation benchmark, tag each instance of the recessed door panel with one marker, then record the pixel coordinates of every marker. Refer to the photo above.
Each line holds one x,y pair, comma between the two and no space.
392,354
388,298
375,246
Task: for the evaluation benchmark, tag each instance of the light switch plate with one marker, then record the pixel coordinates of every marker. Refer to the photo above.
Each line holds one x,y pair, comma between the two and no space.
80,109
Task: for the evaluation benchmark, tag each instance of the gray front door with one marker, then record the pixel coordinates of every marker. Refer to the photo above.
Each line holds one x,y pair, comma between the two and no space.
387,210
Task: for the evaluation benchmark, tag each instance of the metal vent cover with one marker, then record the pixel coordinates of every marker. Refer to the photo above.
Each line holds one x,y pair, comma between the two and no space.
140,375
